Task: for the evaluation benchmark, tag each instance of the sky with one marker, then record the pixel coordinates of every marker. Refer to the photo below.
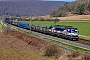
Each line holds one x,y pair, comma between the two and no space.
60,0
49,0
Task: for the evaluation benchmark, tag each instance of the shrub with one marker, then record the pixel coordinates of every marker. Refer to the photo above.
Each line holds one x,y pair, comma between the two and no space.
87,57
54,51
74,54
51,50
6,29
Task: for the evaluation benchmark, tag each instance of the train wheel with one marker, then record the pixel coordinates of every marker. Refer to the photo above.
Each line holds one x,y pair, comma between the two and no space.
71,39
76,39
58,36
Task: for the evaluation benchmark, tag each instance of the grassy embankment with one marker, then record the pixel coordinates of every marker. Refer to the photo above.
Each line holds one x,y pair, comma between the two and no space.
12,48
59,43
0,26
84,29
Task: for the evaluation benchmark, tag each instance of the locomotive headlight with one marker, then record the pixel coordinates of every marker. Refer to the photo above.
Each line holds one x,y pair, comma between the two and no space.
76,30
68,30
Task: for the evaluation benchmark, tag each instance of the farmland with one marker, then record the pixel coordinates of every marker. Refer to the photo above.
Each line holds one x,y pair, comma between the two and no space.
83,27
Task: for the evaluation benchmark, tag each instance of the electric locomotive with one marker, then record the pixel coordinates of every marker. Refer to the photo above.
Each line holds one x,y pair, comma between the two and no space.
67,32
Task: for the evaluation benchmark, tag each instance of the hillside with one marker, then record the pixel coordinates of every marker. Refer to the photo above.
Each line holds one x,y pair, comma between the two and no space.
28,7
79,7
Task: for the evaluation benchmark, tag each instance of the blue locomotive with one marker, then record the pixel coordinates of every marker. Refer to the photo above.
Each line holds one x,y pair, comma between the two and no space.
67,32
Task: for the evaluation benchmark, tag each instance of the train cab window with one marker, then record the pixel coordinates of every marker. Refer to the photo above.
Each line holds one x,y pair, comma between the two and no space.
50,27
68,30
74,31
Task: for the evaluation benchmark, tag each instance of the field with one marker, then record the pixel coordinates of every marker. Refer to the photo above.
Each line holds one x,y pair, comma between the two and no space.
83,27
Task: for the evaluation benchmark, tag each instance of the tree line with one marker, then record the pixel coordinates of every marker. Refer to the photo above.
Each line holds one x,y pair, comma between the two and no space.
79,7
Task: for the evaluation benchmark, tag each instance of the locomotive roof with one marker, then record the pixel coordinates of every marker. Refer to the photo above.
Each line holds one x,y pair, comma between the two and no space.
61,26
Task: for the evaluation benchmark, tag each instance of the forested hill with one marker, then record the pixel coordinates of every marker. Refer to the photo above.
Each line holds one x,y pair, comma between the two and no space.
28,7
79,7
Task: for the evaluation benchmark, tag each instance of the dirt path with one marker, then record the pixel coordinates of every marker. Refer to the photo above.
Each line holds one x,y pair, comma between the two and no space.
12,48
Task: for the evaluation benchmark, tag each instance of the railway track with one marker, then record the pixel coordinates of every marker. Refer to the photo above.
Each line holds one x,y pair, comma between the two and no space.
81,43
54,38
62,47
72,43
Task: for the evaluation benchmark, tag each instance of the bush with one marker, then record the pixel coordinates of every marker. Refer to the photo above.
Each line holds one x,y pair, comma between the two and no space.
87,57
52,50
74,54
6,29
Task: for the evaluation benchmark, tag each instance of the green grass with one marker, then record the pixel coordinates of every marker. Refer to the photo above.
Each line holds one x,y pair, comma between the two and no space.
0,26
69,46
83,27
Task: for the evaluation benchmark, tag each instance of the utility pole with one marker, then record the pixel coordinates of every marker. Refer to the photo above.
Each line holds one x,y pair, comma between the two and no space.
30,23
56,19
50,18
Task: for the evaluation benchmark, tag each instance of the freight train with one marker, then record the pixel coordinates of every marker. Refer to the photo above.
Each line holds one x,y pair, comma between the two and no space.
66,32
